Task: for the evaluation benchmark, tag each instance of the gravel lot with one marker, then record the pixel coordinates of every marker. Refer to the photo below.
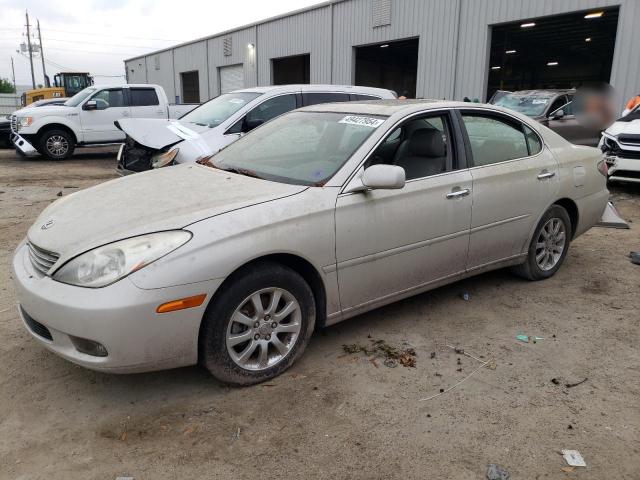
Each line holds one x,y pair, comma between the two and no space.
338,415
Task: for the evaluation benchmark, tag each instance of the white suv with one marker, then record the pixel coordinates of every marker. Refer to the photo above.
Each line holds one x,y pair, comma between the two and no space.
204,131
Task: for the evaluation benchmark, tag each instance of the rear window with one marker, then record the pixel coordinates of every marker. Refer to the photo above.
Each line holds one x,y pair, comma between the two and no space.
143,97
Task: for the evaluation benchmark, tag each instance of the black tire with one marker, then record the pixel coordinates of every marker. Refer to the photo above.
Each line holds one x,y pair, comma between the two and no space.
47,144
530,268
213,353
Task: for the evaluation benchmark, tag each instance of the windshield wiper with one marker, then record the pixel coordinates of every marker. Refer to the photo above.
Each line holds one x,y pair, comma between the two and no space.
240,171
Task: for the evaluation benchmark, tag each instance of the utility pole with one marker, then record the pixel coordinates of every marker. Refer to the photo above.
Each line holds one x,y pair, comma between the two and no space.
13,77
44,71
33,77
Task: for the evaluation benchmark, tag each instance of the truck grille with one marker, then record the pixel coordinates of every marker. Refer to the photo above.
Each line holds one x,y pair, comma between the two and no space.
14,123
42,260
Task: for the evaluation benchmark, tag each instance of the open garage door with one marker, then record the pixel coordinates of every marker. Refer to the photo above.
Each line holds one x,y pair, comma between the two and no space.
291,70
231,78
560,51
392,65
190,87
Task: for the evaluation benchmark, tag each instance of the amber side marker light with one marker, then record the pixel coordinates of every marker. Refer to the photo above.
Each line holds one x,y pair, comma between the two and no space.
181,304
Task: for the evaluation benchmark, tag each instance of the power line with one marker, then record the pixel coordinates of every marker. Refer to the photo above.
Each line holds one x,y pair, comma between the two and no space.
94,34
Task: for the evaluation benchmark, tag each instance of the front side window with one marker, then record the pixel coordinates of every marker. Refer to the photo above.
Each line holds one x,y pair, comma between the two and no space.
493,140
109,98
219,109
302,148
422,147
143,97
271,108
79,97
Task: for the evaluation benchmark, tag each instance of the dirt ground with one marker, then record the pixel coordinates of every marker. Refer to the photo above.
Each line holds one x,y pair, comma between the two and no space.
340,416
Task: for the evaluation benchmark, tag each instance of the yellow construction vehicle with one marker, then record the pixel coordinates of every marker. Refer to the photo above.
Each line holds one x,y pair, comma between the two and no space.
65,84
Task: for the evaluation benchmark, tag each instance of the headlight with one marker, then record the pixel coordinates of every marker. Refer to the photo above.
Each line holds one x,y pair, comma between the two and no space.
25,121
105,265
163,159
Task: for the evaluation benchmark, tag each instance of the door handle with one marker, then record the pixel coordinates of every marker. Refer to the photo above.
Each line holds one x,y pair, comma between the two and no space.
457,193
544,174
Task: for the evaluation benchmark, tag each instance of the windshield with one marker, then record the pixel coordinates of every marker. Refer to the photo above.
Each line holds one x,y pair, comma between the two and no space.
79,97
531,105
216,111
303,148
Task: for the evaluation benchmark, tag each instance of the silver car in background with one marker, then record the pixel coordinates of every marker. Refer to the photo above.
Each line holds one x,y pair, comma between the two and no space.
319,215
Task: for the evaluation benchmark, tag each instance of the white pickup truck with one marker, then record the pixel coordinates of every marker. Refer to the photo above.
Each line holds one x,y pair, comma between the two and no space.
87,118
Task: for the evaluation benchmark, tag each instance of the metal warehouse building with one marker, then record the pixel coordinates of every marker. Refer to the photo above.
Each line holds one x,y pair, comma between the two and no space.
423,48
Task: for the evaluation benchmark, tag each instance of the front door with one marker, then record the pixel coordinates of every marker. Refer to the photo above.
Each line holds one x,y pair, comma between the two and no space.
390,243
97,125
514,178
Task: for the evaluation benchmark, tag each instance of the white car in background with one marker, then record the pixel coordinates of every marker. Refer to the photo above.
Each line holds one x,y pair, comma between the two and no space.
620,144
221,121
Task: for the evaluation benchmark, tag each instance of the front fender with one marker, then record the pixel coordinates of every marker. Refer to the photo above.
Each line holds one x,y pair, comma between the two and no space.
40,124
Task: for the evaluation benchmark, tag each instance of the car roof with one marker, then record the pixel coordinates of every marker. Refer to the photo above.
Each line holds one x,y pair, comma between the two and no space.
546,92
315,87
389,107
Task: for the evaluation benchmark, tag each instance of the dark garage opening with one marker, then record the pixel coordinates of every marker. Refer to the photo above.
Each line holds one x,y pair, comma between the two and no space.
560,51
190,87
392,65
288,70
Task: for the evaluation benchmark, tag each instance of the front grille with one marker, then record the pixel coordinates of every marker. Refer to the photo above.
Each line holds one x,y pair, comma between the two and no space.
36,327
619,152
14,123
42,260
626,174
629,139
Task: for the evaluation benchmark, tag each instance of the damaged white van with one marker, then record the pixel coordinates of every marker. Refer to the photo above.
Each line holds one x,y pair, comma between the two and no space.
620,144
154,143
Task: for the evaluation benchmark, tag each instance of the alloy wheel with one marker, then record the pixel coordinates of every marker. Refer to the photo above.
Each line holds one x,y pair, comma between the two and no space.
57,145
550,244
264,329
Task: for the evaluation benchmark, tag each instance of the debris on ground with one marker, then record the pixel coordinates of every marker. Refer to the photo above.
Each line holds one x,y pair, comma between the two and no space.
571,385
611,218
494,472
568,469
573,458
59,194
381,349
527,338
433,355
465,296
391,363
635,257
236,435
555,381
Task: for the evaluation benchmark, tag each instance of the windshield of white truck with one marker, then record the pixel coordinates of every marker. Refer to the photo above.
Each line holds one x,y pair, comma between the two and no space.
79,97
216,111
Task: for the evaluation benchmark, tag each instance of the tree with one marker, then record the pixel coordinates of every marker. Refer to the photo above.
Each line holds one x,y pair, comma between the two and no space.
6,86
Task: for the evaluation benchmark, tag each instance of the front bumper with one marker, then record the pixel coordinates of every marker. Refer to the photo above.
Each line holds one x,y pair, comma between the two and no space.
623,169
121,317
23,145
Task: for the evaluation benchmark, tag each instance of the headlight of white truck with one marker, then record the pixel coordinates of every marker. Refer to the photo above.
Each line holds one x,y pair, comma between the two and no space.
105,265
24,122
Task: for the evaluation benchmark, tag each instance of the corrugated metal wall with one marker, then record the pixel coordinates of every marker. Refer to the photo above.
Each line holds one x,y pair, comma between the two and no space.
454,40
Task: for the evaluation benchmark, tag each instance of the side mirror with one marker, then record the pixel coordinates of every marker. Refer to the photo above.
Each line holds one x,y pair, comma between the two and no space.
90,105
381,177
558,114
251,123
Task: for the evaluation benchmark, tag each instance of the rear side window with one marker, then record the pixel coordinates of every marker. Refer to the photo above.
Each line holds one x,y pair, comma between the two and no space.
494,140
323,97
533,141
143,97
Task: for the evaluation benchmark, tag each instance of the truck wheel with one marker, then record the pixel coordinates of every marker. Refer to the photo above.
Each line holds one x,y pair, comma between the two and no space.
258,325
56,144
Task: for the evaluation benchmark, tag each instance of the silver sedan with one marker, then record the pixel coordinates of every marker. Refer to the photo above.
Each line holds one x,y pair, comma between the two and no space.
319,215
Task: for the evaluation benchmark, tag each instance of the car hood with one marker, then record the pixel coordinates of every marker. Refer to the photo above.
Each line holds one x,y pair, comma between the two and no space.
42,111
624,127
163,199
158,133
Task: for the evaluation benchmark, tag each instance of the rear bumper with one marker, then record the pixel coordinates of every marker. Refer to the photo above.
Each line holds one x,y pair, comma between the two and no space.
23,145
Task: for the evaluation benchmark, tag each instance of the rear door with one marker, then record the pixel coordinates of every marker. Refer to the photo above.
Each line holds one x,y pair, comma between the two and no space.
144,103
514,178
97,125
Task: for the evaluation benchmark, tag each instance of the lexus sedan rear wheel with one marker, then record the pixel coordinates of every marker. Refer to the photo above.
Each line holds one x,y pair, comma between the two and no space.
549,245
257,325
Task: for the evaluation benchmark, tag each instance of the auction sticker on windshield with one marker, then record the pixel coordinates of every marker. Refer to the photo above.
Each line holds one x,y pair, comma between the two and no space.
364,121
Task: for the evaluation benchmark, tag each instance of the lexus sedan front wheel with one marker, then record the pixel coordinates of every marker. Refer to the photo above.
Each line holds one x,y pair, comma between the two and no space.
257,325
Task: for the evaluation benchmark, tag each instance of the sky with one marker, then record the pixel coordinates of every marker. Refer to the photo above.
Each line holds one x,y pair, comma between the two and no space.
97,35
